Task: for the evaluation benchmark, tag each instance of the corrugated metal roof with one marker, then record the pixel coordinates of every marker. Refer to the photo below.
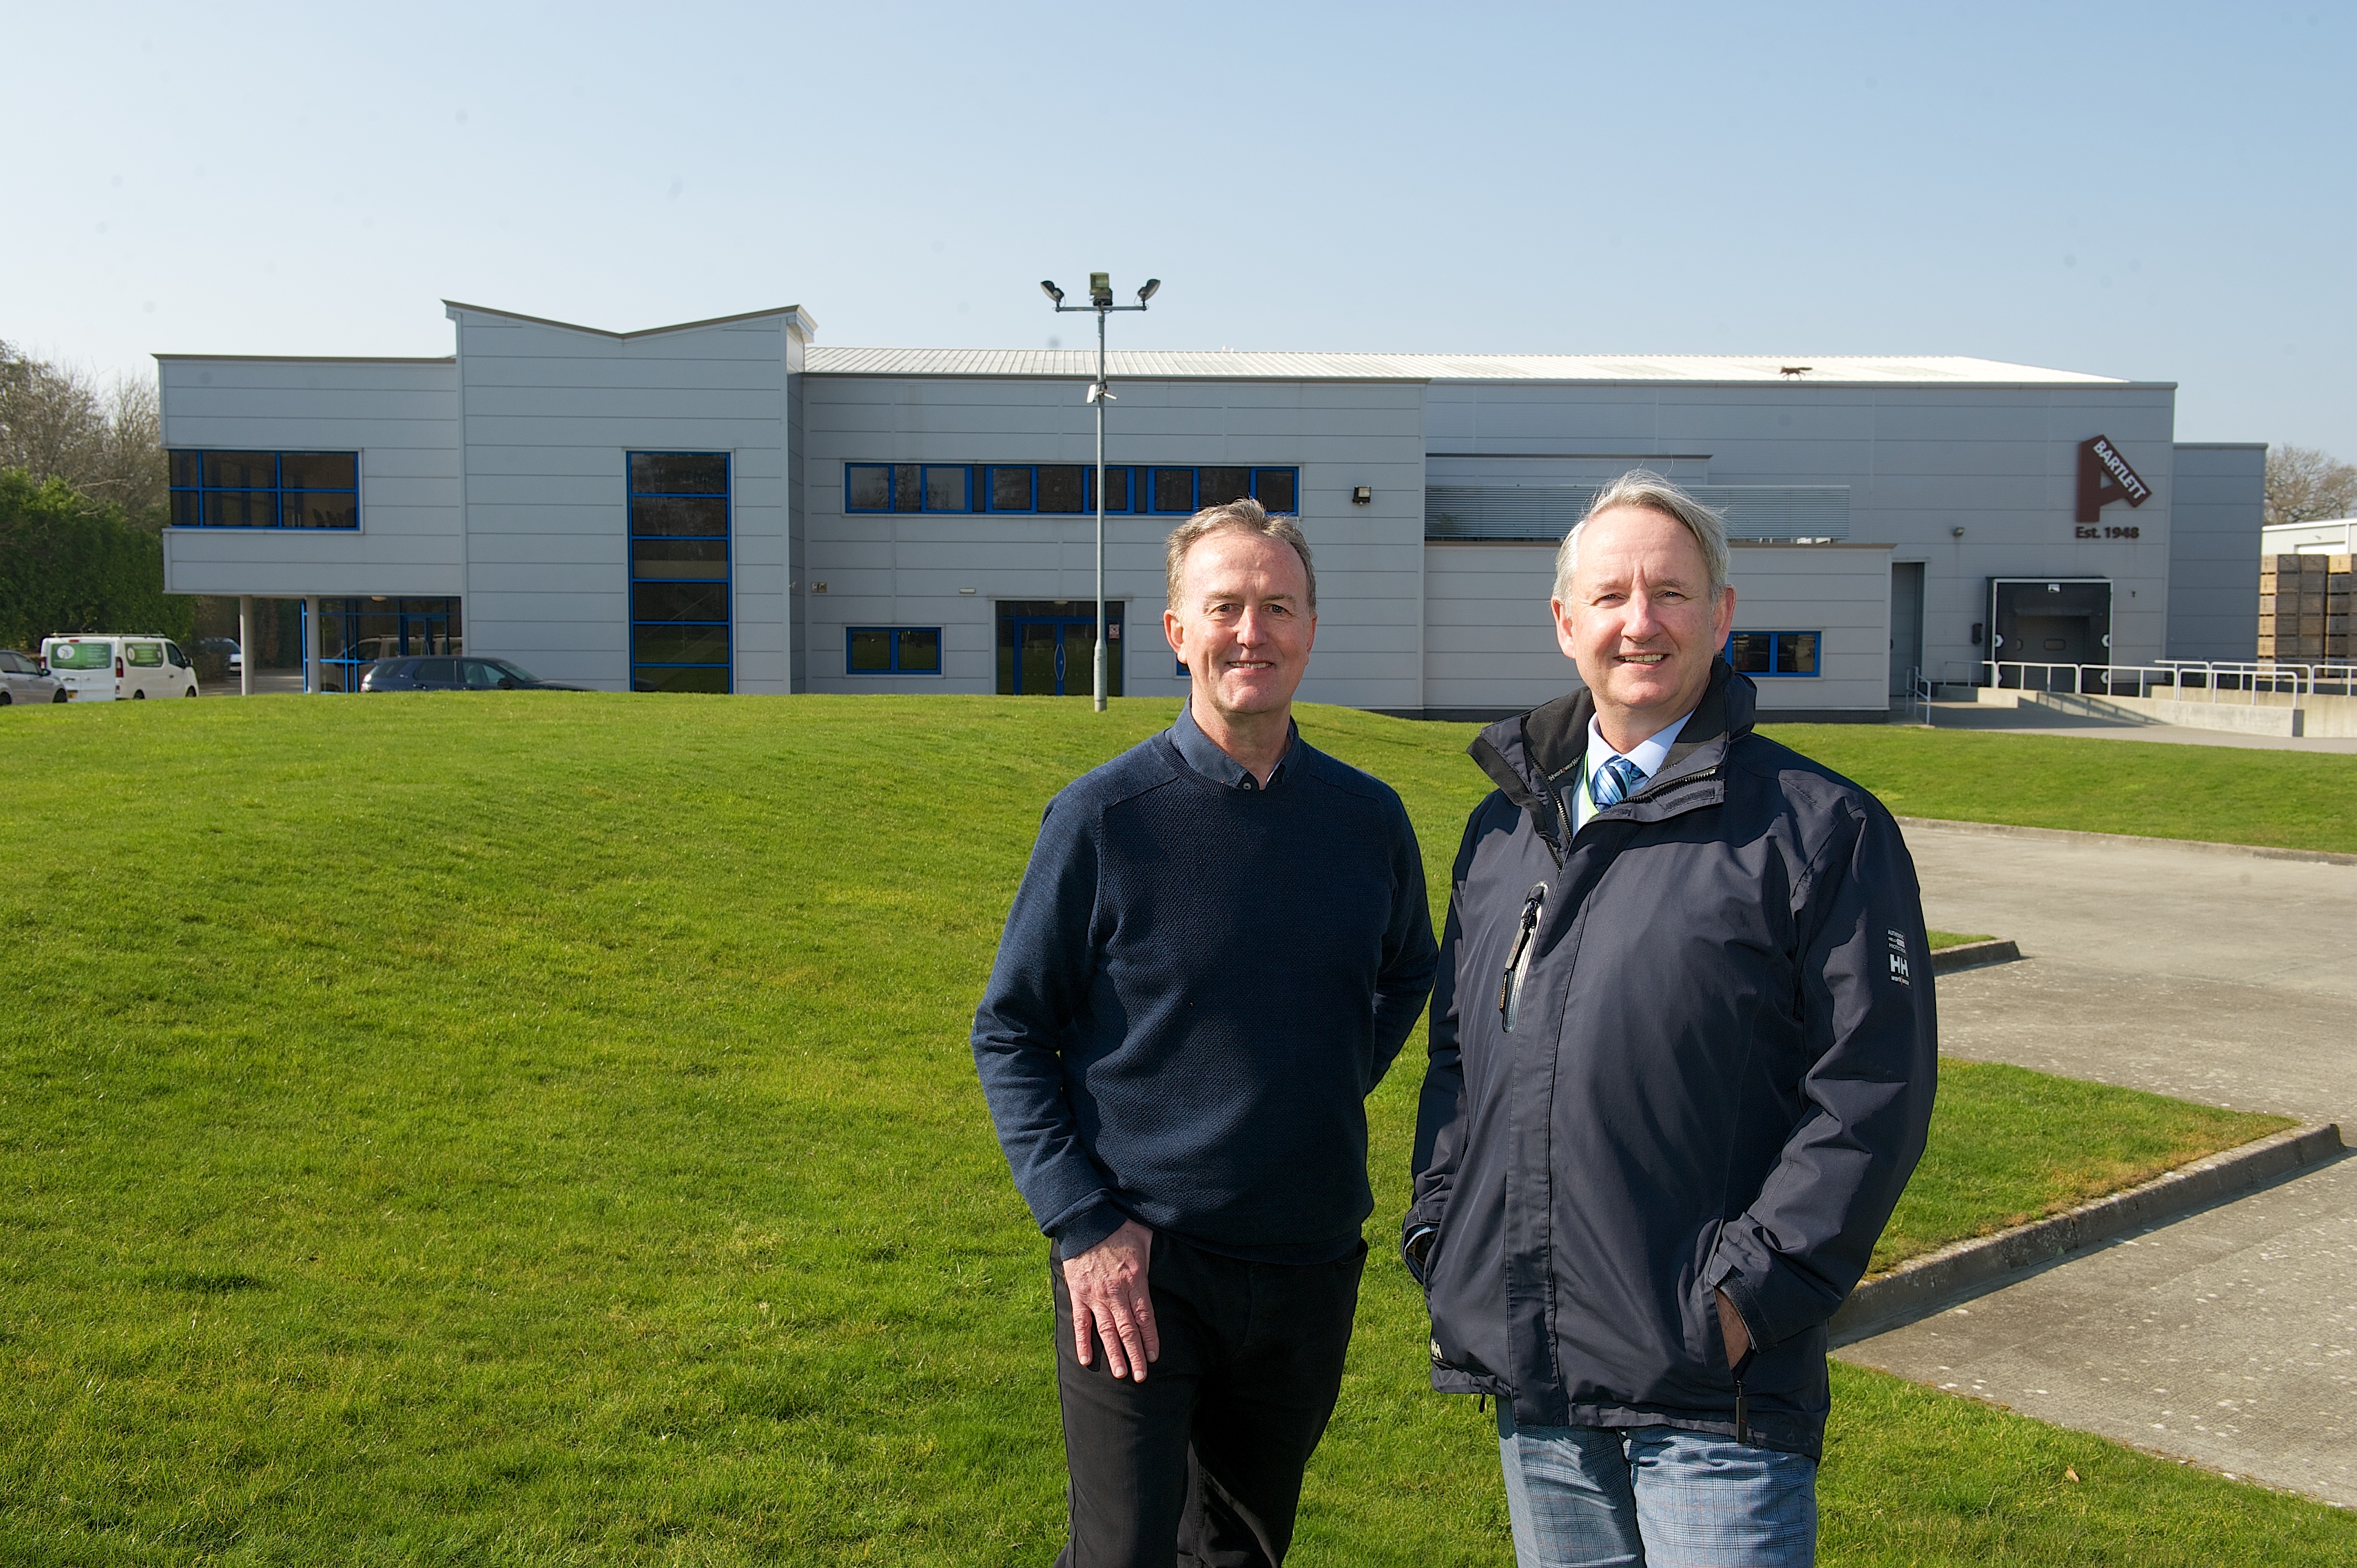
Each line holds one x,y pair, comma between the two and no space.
1162,364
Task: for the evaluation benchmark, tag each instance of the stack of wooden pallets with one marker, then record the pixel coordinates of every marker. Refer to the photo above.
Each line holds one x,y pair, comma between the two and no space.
2304,607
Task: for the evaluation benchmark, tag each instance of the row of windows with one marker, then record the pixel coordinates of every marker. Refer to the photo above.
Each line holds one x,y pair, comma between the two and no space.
1774,652
684,496
917,650
265,490
1061,488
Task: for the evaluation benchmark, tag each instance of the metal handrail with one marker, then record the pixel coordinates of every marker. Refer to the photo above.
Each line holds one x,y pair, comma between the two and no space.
2250,676
2143,676
2247,674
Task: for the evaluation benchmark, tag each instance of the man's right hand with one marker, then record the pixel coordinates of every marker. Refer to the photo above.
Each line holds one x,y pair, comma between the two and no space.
1111,1305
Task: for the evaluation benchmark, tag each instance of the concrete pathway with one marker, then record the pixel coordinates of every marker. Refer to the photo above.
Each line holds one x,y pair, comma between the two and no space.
2046,721
2230,1338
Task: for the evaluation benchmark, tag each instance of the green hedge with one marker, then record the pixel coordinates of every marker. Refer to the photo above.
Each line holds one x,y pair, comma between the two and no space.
69,563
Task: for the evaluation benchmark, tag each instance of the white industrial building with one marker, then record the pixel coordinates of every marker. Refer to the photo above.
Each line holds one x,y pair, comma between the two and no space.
728,506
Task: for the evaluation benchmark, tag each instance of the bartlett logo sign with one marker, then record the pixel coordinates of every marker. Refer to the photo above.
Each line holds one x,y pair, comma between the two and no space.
2105,476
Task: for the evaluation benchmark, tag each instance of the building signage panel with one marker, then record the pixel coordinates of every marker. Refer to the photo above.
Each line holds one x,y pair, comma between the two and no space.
2105,476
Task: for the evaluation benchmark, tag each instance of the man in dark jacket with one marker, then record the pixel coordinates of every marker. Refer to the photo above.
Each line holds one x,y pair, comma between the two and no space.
1683,1058
1220,946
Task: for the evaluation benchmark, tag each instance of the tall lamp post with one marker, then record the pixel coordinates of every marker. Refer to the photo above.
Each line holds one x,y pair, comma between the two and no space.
1100,301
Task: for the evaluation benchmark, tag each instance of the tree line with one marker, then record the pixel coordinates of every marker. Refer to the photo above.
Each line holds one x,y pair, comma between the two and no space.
2305,485
83,499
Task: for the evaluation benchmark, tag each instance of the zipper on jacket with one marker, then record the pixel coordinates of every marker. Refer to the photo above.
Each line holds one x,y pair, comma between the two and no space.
1509,985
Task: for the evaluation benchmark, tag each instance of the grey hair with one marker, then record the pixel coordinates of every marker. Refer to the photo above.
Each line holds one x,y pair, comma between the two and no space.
1235,517
1648,491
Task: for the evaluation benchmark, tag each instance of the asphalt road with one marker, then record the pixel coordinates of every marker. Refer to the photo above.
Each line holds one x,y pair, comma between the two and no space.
2229,1339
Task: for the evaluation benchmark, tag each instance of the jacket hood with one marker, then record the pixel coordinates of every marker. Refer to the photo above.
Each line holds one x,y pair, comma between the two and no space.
1527,757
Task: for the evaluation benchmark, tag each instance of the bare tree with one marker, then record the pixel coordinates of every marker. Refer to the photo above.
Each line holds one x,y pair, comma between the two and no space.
57,423
2305,485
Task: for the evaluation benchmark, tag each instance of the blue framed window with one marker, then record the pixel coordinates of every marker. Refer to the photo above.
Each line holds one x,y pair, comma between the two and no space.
680,623
892,651
908,486
1062,489
1775,653
265,490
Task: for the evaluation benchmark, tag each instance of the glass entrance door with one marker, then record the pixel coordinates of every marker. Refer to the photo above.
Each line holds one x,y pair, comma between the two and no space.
354,633
1048,648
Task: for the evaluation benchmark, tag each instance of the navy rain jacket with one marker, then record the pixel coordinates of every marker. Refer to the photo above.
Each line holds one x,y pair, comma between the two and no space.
1691,1047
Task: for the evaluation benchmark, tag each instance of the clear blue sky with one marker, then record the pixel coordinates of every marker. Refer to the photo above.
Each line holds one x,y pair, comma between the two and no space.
2161,192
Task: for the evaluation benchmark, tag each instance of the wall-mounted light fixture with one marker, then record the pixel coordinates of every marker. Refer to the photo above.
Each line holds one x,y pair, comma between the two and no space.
965,590
1957,532
1364,495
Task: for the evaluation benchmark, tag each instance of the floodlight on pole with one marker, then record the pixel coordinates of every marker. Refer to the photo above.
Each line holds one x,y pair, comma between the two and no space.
1099,394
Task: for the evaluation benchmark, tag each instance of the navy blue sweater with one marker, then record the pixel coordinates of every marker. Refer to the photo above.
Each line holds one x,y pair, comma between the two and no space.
1197,986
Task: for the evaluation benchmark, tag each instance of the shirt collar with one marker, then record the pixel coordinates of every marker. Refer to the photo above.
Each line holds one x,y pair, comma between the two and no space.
1647,754
1204,757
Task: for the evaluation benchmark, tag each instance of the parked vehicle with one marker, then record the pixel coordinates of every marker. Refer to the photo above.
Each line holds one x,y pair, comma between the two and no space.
105,667
432,673
22,679
227,648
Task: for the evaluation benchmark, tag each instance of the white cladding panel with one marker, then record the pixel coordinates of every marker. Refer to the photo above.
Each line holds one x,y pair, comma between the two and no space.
401,416
2000,463
551,415
906,570
1490,642
1840,591
2219,506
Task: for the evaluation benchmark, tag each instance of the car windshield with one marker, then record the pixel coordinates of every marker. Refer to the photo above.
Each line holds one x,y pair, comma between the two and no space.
80,655
513,670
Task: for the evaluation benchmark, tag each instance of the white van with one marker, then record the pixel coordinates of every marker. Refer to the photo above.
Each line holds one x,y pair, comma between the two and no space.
100,667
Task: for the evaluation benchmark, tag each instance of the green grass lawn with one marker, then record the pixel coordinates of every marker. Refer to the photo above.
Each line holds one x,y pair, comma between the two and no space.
2009,1145
2284,799
521,1128
1953,939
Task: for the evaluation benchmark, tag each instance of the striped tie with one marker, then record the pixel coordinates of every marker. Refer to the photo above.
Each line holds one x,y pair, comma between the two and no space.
1613,781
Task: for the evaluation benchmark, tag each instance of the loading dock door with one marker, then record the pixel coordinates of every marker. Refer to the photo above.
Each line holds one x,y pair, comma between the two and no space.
2048,620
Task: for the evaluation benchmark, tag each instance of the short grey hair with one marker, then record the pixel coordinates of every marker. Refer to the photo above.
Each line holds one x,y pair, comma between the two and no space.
1232,517
1648,491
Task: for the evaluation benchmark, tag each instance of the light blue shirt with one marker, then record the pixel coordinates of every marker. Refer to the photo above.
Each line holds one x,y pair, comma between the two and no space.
1648,755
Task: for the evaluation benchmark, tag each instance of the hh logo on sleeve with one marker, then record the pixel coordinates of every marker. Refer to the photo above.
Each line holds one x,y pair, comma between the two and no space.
1898,957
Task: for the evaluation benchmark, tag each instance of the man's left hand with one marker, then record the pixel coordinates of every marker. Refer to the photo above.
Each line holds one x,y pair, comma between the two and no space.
1731,1329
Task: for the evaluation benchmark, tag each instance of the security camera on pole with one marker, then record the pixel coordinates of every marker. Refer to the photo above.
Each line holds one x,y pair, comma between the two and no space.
1100,301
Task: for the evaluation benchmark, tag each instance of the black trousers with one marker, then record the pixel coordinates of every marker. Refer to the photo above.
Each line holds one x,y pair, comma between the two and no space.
1201,1463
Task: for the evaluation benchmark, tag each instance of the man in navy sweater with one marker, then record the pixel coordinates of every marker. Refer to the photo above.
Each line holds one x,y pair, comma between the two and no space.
1219,945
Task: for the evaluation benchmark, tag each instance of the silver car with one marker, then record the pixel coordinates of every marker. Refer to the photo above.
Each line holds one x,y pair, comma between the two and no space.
22,679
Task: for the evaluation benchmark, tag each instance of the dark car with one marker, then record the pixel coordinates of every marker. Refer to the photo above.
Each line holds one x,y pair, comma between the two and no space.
435,673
